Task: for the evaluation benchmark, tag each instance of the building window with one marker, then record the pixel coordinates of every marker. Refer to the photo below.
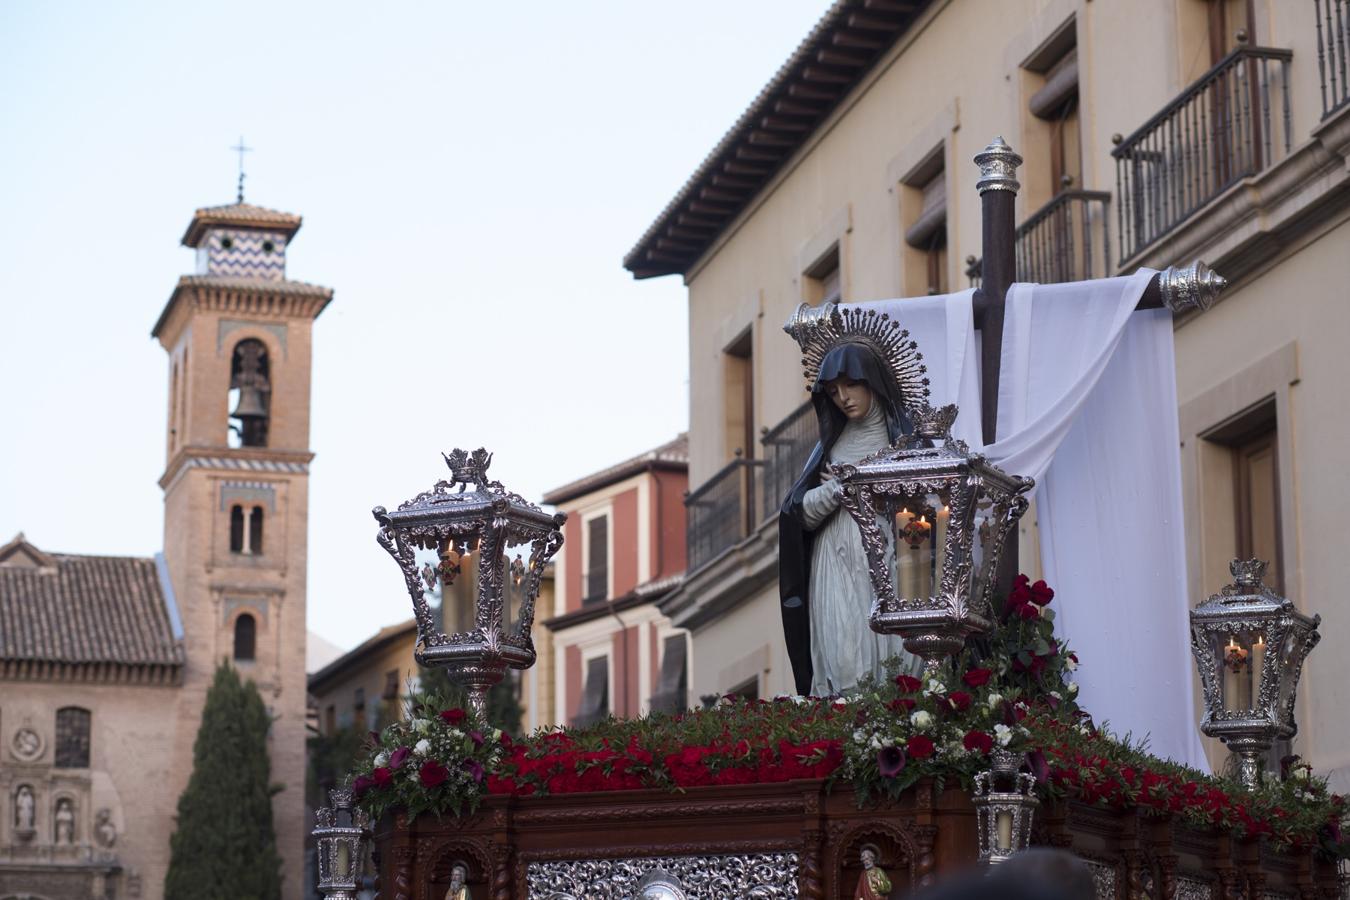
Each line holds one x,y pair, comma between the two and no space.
250,393
595,694
924,201
748,690
597,559
738,396
237,532
672,690
255,531
1054,67
72,738
1242,474
330,720
245,638
359,707
391,685
822,281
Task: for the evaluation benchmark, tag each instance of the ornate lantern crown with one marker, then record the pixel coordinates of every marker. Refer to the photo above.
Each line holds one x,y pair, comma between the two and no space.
1249,644
472,532
1005,804
340,832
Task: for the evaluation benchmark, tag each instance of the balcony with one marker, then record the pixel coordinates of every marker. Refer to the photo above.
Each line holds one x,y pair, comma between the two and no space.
786,447
1230,124
721,512
1067,239
1333,53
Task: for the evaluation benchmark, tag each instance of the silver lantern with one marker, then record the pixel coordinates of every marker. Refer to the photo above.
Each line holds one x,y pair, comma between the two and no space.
1005,805
475,533
1249,644
340,832
934,518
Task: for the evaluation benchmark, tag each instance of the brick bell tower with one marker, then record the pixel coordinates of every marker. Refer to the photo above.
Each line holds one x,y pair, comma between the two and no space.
236,501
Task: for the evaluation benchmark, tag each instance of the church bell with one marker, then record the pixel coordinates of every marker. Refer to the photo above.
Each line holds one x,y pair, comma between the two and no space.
250,405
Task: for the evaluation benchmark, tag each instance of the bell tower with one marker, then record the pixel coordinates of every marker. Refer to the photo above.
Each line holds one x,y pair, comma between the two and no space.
236,507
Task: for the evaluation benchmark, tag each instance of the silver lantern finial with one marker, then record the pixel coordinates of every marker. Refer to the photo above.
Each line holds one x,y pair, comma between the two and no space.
340,832
934,518
1249,644
998,167
1192,287
1005,805
471,532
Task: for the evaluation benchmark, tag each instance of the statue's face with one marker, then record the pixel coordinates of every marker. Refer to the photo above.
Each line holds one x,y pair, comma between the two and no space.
854,398
869,859
457,876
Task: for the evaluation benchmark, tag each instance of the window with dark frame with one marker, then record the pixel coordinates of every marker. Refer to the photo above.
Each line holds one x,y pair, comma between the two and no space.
72,738
597,560
236,529
927,232
391,684
673,688
595,693
330,720
245,638
359,707
255,530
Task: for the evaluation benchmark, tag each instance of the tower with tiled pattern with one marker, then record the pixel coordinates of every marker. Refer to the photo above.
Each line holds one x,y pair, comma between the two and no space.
236,484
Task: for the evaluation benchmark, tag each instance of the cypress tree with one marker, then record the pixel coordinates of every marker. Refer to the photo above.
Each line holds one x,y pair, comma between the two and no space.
225,847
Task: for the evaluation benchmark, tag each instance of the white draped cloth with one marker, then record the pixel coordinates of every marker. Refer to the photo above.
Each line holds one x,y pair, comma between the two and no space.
1087,407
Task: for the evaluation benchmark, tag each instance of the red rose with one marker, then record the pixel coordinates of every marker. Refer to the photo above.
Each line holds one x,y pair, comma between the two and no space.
361,785
978,740
382,777
901,705
1028,611
959,700
977,677
454,716
1041,594
919,747
433,773
907,684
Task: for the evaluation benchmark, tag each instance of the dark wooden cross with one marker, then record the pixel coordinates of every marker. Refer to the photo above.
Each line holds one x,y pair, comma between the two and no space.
241,149
1192,287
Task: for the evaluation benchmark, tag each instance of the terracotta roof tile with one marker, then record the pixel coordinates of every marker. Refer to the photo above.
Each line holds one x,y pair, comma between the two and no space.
238,215
672,455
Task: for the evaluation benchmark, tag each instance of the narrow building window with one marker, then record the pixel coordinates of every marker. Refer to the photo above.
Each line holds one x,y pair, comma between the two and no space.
359,707
255,530
237,529
72,738
595,696
597,559
928,233
391,684
250,390
330,720
674,685
245,638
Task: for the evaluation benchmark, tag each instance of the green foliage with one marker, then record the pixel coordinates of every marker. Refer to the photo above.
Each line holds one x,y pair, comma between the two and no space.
225,847
331,757
503,709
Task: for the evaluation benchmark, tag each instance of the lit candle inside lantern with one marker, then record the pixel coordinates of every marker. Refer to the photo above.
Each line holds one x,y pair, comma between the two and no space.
344,861
913,563
1004,824
1237,686
940,546
1258,660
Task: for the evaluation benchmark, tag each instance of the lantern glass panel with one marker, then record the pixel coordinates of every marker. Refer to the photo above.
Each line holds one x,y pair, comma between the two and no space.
515,585
456,565
1240,656
919,531
981,545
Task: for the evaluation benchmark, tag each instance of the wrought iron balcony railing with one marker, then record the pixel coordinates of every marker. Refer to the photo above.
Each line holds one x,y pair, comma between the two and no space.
1067,239
1333,53
1231,123
786,447
720,513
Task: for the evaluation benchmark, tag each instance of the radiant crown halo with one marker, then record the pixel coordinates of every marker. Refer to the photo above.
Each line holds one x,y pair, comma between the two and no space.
818,330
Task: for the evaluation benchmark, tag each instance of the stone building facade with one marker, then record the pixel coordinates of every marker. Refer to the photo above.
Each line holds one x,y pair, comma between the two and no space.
108,661
1154,132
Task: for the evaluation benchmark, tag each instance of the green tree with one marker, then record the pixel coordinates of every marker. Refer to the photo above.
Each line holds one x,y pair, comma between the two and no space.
225,847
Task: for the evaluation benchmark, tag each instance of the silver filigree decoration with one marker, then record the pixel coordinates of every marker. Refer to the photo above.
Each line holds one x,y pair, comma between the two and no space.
998,167
818,330
1196,286
763,876
1103,879
1194,889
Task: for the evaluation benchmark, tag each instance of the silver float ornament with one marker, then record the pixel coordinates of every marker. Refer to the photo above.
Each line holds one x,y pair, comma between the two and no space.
1249,644
471,530
934,518
1005,805
340,831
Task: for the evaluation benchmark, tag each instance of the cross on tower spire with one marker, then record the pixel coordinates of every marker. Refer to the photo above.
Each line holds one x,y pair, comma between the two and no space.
241,149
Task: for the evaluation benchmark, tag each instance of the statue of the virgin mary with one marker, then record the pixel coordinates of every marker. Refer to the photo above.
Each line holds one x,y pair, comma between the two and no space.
863,375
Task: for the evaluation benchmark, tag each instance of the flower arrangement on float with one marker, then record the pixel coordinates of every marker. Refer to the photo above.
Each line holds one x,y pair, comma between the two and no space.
1017,693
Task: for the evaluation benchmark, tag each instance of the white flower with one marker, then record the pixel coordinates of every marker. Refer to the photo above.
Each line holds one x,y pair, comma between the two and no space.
1071,664
381,759
859,737
1056,695
1003,734
876,742
1300,773
421,726
422,747
921,719
934,687
496,735
1083,729
842,701
1072,688
995,700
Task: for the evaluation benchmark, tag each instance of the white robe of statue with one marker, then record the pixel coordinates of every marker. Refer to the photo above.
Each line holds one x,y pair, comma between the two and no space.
843,647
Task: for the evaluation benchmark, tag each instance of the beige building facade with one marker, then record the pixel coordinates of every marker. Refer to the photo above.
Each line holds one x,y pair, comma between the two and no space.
1154,133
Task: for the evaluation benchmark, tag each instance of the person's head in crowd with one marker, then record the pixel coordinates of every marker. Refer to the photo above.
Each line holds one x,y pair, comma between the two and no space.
1036,874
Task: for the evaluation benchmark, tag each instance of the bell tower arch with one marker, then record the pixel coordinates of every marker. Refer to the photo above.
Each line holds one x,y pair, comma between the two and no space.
236,483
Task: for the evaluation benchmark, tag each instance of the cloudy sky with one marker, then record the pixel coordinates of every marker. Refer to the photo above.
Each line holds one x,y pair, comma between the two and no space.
470,175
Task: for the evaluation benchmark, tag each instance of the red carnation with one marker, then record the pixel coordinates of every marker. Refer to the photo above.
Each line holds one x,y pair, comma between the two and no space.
1041,594
382,777
454,716
908,684
977,677
978,740
920,747
433,773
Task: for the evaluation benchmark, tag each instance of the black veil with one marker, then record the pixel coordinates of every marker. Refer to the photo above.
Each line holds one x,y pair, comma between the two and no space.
848,360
